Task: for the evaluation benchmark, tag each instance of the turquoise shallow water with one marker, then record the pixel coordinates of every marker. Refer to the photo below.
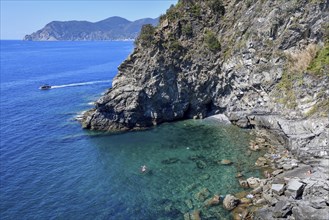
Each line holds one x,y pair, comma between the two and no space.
52,169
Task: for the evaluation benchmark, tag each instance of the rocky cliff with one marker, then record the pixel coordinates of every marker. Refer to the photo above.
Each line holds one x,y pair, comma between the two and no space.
262,63
209,57
113,28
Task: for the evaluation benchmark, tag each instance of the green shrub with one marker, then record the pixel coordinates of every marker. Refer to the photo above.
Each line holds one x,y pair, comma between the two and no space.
146,37
320,64
187,30
174,46
211,41
172,13
162,18
217,7
196,10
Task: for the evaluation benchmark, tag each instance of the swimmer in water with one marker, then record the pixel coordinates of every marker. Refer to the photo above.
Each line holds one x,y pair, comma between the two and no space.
143,168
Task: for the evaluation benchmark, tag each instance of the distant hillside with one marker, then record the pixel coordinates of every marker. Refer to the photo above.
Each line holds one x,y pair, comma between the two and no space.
113,28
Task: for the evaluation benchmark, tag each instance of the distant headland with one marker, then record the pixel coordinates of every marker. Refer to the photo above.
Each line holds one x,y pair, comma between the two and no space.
112,28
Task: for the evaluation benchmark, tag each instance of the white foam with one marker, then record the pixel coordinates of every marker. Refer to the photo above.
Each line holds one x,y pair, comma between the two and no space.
79,116
80,84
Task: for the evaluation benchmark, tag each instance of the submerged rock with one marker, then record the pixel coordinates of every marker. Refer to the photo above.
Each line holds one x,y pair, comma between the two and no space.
201,164
204,177
170,161
226,162
189,203
202,195
212,201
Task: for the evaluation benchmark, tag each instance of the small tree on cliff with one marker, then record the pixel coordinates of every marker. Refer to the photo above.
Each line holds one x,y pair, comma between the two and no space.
146,37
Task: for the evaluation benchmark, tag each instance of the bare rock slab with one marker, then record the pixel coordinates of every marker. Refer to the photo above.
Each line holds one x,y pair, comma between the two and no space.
281,209
277,189
305,212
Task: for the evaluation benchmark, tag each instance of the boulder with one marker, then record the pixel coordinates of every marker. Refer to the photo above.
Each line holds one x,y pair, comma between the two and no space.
230,202
253,182
294,188
243,183
278,189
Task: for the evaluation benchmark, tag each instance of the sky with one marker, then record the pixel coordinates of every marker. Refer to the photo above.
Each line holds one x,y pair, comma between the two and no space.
22,17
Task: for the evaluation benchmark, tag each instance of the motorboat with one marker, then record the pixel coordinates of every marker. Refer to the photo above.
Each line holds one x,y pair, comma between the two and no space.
45,87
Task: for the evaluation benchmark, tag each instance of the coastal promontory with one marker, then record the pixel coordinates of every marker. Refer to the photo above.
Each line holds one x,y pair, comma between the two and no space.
112,28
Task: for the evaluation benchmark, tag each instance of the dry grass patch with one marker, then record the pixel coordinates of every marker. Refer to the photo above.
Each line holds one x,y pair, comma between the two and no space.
299,61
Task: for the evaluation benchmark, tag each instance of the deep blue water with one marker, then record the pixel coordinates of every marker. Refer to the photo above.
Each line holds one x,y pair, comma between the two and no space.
53,169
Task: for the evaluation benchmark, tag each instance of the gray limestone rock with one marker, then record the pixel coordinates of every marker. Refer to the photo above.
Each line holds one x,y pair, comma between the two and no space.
278,189
294,188
264,213
230,202
253,182
304,211
276,172
316,191
281,209
270,199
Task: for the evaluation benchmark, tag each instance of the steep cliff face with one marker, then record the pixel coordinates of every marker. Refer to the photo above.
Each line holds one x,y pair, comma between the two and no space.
232,57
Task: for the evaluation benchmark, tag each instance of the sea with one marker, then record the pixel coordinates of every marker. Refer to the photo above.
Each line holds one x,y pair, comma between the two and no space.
51,168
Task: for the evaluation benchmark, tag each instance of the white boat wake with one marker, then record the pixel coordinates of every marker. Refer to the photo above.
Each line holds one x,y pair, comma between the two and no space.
80,84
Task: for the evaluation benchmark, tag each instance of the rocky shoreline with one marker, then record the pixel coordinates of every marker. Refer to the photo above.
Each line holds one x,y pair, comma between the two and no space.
296,180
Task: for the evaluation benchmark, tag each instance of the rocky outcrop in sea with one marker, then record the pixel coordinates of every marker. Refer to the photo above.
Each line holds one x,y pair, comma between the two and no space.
264,64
